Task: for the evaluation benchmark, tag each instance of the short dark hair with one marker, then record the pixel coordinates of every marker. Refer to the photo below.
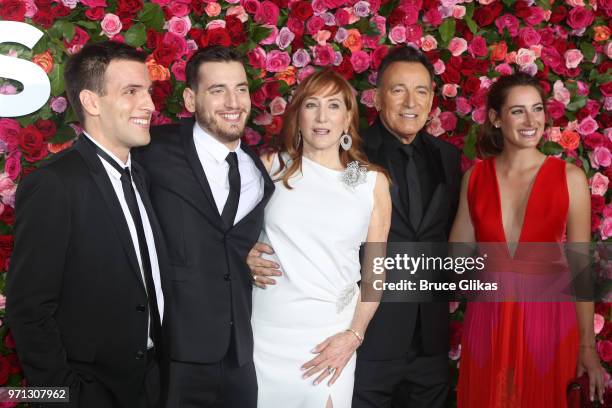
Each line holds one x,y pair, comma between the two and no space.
404,53
213,53
85,69
490,141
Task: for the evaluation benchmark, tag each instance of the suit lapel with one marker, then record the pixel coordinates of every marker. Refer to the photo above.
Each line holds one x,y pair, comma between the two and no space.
109,196
196,165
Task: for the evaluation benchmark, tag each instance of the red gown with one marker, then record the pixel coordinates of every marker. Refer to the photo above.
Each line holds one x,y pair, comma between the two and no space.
517,354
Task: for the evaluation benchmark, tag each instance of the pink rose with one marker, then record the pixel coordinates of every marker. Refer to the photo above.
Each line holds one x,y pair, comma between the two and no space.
525,57
381,24
7,190
587,126
453,306
433,17
263,119
111,25
434,127
583,89
561,93
178,9
504,69
12,167
320,6
314,24
529,69
8,89
604,349
251,6
267,13
605,229
251,137
179,25
478,47
553,134
239,12
463,106
324,55
58,104
9,133
439,67
429,43
342,17
579,17
257,58
573,58
449,90
321,37
458,12
305,72
397,34
411,14
414,34
361,9
600,157
599,184
455,352
555,109
367,97
509,22
360,60
271,39
301,58
529,37
551,57
284,38
178,69
341,35
479,115
448,120
536,15
457,46
277,106
94,3
212,9
277,61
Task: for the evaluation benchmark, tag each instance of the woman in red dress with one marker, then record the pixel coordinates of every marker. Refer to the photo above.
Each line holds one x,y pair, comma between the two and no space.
521,354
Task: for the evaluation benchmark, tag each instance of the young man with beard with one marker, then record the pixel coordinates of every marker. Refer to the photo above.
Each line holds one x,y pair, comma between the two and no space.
210,191
403,361
84,291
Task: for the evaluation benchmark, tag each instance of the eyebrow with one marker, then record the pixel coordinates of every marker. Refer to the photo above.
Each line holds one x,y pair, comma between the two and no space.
226,86
523,106
135,86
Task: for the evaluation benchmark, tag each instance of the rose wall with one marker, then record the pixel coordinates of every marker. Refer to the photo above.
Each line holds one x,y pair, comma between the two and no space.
566,44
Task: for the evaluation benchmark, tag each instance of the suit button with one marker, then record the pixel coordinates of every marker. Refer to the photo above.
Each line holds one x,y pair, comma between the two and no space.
227,277
141,308
231,322
140,355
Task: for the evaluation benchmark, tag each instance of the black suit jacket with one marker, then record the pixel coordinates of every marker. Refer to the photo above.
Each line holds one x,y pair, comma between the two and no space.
400,318
211,280
76,301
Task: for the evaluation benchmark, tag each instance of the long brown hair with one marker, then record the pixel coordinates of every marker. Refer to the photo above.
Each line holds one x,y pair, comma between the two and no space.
291,144
490,141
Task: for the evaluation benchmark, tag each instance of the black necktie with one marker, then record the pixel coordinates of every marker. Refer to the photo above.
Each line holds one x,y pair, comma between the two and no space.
231,205
130,198
415,204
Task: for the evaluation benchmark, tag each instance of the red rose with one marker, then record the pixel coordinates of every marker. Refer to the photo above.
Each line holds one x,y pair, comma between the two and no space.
195,34
396,17
14,365
377,56
60,11
13,10
478,47
5,367
606,89
551,57
595,222
128,7
274,128
604,349
44,18
558,15
547,36
345,68
95,14
8,215
267,13
296,26
165,54
579,17
46,127
484,16
605,6
215,36
161,91
271,89
31,141
449,104
451,76
471,85
198,7
433,17
604,67
6,248
258,98
233,25
597,204
301,10
9,341
555,109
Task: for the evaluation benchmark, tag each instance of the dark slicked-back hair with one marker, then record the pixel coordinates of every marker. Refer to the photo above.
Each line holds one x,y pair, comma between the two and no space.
86,69
404,53
489,140
214,53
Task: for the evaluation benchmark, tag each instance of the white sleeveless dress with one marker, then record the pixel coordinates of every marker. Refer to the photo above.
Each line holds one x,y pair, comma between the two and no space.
316,229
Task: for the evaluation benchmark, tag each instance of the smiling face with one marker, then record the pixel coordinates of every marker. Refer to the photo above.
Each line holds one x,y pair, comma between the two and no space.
522,117
123,113
404,99
323,119
221,102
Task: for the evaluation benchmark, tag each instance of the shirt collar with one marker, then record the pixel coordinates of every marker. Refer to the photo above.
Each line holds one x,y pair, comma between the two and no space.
216,149
108,165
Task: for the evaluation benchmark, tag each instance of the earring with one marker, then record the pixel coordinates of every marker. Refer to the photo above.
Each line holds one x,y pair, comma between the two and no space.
497,125
346,141
299,139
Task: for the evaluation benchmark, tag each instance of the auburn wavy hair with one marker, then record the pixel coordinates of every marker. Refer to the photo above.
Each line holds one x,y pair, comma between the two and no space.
325,82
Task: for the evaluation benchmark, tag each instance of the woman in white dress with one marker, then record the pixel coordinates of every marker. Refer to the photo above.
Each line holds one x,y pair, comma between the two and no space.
328,201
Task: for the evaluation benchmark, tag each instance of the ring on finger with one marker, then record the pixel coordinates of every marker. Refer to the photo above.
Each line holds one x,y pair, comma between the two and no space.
254,277
330,370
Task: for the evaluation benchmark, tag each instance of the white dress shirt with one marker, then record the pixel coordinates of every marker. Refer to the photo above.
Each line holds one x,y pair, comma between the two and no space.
115,178
212,154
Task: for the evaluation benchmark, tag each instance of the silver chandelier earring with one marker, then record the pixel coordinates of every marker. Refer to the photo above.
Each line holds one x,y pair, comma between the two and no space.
346,141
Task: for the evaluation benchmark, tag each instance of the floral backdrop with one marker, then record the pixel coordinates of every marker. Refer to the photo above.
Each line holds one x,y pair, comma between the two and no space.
566,44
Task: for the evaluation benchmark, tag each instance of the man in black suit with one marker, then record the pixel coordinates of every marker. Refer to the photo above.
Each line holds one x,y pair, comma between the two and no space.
409,368
210,191
403,361
84,291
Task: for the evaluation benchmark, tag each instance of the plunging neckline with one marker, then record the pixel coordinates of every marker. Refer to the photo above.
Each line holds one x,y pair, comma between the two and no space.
534,183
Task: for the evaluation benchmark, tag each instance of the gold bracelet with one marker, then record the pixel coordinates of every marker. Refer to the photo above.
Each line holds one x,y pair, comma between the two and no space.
356,333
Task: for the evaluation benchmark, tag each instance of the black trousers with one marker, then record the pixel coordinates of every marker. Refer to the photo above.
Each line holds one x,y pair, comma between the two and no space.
414,381
217,385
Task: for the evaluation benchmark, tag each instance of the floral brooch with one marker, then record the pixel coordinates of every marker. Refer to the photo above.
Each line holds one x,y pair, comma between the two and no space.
353,175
